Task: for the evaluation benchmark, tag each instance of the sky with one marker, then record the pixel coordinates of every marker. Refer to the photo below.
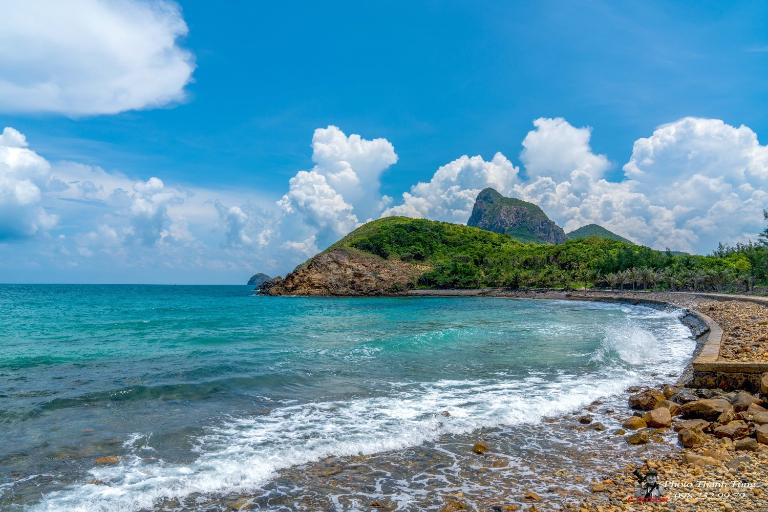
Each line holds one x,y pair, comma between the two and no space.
150,141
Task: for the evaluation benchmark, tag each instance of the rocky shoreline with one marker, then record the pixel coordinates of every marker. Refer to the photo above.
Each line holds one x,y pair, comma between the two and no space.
709,447
722,459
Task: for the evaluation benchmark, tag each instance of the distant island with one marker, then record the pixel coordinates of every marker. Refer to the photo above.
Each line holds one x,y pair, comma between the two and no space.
511,244
258,279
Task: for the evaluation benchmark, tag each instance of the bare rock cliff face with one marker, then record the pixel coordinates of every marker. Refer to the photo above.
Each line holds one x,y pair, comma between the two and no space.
514,217
346,272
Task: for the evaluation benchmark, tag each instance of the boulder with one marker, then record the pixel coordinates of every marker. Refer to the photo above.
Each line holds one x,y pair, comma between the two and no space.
743,400
755,408
658,418
706,409
761,418
674,409
585,420
639,437
691,438
747,444
669,391
707,393
684,396
690,424
761,433
699,460
634,423
646,400
726,417
764,384
733,430
480,447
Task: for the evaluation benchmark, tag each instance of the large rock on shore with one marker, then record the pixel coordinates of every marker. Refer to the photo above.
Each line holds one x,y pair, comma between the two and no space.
634,423
742,400
706,409
646,400
346,272
761,433
695,424
733,430
658,418
691,437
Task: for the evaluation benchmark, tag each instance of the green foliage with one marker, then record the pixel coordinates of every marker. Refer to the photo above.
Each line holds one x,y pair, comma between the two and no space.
457,256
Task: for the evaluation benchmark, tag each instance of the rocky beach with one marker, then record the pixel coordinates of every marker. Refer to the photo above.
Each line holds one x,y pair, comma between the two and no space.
708,447
719,460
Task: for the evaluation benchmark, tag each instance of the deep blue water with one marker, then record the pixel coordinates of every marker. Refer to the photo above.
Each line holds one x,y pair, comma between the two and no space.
208,389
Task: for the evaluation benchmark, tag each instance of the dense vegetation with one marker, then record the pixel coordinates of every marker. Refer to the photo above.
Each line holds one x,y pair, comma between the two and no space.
460,256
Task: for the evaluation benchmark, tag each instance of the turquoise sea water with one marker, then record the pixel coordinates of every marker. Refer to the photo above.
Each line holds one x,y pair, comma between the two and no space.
209,390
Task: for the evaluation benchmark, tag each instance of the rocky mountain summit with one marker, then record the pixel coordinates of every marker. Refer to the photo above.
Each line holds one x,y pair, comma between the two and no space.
514,217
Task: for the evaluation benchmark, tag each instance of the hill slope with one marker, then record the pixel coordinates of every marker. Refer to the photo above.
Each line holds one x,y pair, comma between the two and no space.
595,230
514,217
394,254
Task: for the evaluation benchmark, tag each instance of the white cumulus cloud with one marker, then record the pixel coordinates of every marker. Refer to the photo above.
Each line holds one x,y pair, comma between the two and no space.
87,57
341,190
556,149
24,175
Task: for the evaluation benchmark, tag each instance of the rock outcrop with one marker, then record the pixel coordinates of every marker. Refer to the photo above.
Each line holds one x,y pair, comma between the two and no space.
346,272
514,217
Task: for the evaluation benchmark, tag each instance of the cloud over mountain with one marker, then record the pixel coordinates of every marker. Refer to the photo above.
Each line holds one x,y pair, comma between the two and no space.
688,185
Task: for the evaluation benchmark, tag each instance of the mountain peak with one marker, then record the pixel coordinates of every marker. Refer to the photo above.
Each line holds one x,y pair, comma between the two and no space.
514,217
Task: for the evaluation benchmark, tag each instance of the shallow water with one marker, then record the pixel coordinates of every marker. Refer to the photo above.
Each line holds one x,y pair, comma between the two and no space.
209,393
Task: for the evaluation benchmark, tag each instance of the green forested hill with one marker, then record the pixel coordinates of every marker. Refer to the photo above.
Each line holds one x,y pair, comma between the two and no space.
594,230
457,256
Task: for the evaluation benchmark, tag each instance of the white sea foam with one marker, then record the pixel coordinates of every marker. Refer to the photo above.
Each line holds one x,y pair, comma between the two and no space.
244,453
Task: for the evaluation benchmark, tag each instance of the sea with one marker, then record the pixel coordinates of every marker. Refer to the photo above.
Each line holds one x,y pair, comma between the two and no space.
214,398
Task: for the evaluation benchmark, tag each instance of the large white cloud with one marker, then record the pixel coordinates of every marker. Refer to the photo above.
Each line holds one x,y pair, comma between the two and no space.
84,57
24,175
340,191
451,193
692,183
556,149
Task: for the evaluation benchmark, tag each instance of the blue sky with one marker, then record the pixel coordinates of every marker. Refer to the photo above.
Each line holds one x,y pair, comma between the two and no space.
437,80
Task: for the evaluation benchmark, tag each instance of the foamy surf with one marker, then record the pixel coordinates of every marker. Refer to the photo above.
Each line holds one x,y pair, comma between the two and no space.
244,453
241,453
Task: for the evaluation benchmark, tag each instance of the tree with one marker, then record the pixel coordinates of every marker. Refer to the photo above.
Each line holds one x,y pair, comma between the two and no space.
764,234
